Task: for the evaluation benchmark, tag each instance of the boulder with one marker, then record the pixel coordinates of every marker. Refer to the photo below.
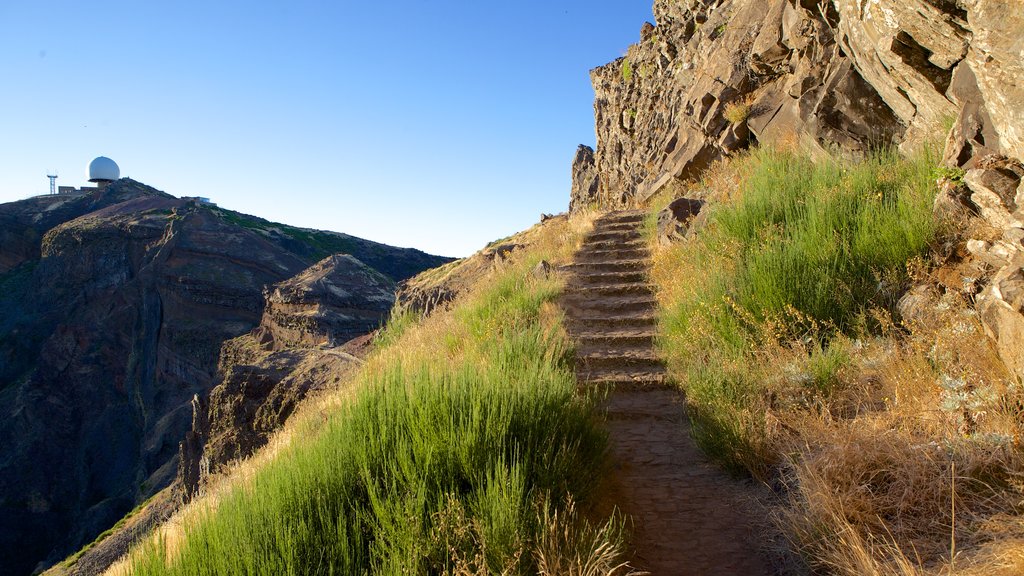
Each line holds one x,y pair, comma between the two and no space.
994,185
952,203
585,183
917,306
1000,307
674,220
542,270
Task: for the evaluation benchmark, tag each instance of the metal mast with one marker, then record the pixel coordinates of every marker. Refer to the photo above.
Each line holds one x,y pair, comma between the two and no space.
53,182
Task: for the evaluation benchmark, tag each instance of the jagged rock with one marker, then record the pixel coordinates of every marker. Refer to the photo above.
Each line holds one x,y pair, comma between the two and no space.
996,58
952,203
1000,306
542,270
993,188
674,220
660,110
906,49
585,184
973,134
296,349
846,75
191,468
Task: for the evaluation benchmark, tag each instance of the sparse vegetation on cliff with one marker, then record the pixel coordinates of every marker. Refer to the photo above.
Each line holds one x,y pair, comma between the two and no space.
736,112
627,70
803,251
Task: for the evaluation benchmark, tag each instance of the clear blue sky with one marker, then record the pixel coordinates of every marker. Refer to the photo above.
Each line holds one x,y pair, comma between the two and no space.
439,125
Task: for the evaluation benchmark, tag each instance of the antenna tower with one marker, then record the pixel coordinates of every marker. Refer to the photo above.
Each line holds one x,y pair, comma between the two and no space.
53,181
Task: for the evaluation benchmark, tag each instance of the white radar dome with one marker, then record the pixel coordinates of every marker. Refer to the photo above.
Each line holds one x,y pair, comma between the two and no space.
103,169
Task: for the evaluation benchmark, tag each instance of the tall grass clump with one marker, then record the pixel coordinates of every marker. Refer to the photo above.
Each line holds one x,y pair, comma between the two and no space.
467,438
829,239
800,253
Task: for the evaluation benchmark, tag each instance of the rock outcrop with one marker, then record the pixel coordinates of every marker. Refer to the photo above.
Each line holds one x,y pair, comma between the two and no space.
113,309
304,343
675,219
845,75
332,302
994,191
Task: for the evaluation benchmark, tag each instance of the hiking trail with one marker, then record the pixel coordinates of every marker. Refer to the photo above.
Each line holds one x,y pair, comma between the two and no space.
689,517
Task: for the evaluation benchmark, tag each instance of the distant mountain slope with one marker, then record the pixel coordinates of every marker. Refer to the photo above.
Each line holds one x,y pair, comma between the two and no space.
113,309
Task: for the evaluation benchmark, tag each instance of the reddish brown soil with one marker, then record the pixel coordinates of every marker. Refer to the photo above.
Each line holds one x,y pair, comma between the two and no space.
688,516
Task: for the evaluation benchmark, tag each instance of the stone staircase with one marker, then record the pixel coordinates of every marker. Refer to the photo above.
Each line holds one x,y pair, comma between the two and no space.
611,307
688,516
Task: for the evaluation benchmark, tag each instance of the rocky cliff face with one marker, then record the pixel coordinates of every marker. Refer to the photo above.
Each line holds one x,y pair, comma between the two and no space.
113,310
714,75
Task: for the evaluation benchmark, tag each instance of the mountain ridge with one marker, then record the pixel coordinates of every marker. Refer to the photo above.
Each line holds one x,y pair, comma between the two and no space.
116,307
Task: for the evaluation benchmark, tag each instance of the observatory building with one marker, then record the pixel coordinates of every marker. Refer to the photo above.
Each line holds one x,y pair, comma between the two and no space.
102,171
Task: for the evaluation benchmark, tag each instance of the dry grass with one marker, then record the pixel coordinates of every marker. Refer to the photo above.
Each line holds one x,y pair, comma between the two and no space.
898,443
908,475
571,546
736,112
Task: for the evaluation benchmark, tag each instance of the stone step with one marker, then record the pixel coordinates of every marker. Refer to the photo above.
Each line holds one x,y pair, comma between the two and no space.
614,244
591,323
606,255
615,306
622,216
617,225
655,404
623,379
626,361
606,278
615,340
616,235
607,290
624,265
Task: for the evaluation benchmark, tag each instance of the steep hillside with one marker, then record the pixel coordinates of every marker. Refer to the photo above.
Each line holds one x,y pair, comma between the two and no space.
461,446
112,314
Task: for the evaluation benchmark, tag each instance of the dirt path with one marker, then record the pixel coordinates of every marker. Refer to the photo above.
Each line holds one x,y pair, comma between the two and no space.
689,517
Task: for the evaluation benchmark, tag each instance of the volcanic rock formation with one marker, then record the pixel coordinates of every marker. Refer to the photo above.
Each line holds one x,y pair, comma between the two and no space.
847,75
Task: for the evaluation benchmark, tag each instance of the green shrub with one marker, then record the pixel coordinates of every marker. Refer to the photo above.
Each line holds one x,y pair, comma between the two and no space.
802,255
